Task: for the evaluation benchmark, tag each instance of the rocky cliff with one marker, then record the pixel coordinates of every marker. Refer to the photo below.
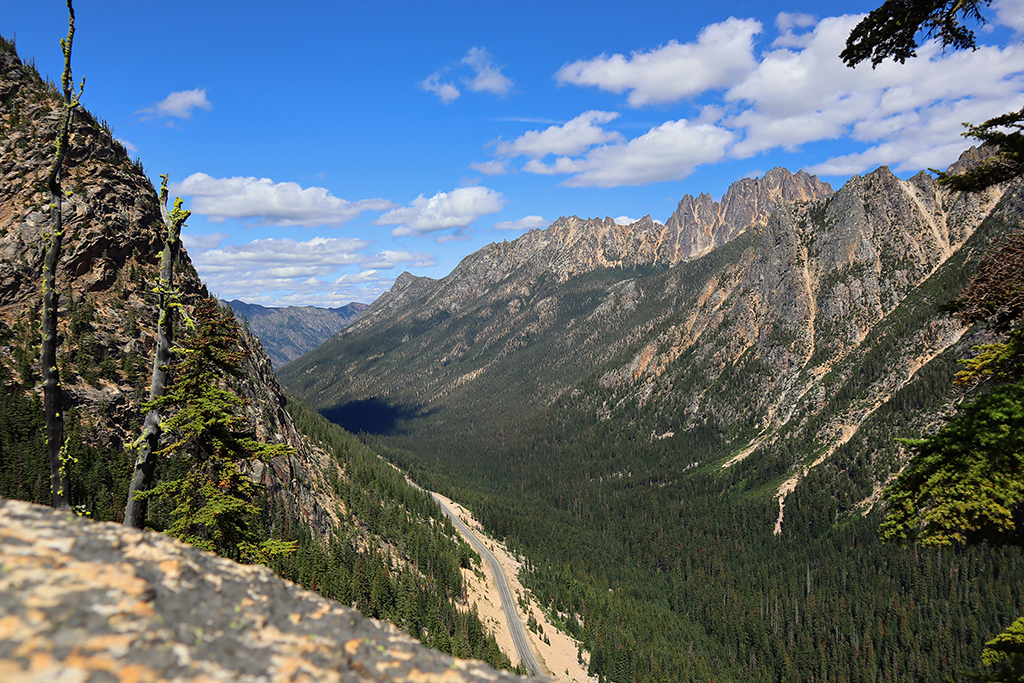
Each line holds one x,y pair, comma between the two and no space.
108,267
699,224
84,600
572,246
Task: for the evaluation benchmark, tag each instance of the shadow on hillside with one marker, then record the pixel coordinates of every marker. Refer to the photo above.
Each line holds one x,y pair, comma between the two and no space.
371,415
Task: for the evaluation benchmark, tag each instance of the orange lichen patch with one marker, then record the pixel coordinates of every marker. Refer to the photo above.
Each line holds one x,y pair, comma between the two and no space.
216,580
171,570
118,576
384,666
136,673
100,661
290,642
35,616
38,662
402,655
117,644
11,627
417,676
136,549
294,669
31,645
11,671
295,617
320,613
105,661
352,646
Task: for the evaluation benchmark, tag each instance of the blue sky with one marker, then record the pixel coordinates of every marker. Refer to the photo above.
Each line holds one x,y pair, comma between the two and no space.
326,147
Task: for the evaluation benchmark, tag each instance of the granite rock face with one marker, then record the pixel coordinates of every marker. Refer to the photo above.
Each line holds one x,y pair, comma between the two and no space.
88,601
699,224
573,246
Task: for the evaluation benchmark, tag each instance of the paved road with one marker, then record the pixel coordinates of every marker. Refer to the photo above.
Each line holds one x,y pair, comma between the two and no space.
515,625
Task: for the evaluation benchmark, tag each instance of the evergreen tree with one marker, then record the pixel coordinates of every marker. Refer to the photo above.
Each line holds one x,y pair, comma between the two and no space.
148,443
891,32
216,508
965,484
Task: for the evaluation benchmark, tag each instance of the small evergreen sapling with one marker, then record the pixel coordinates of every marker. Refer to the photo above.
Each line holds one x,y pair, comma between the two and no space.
148,444
215,508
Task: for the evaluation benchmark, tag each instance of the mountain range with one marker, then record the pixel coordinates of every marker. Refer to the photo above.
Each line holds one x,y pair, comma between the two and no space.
290,331
748,315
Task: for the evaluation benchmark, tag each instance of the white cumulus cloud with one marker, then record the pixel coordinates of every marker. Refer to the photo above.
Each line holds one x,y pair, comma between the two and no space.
178,105
911,111
493,167
573,137
721,57
486,76
390,258
445,91
670,151
786,22
283,271
456,209
358,278
269,203
794,92
1009,13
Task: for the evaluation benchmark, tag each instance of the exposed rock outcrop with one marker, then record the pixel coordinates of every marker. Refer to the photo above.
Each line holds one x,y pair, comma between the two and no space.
82,600
699,224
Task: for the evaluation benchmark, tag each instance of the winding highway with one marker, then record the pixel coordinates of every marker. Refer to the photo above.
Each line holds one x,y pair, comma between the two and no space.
515,625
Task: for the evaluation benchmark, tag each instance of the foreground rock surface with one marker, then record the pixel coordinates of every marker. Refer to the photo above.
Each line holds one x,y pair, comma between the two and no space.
87,601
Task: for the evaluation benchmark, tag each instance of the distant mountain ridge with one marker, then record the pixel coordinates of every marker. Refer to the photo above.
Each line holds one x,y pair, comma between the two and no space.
289,332
572,246
701,224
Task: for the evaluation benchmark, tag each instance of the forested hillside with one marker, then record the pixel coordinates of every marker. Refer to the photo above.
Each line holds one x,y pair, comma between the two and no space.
364,535
690,454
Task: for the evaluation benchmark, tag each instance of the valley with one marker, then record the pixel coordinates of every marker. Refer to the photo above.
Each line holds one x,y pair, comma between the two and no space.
688,450
643,450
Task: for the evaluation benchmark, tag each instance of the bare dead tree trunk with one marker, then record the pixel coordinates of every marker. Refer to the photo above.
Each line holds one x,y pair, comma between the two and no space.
148,444
52,390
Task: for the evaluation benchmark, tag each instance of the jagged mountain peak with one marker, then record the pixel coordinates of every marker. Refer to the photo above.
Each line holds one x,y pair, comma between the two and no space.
700,224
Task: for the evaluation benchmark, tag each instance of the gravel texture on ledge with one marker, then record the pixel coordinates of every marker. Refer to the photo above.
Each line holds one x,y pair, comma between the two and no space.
82,601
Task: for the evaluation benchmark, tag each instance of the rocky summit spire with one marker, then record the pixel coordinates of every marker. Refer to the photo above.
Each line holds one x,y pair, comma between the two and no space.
699,224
